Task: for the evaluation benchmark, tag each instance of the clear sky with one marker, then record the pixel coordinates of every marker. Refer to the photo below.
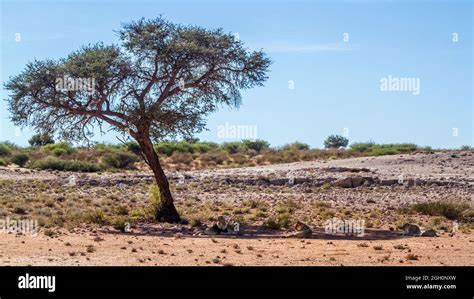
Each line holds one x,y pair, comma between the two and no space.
333,54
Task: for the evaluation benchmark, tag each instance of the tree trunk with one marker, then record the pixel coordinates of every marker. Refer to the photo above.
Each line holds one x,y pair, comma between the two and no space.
166,210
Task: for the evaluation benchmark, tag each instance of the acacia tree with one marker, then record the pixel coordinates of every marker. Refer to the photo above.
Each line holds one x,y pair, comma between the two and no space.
160,82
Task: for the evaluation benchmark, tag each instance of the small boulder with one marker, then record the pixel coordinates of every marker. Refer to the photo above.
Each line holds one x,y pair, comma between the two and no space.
429,233
350,182
411,230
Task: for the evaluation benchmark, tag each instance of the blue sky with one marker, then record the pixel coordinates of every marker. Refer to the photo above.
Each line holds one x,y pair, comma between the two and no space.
336,82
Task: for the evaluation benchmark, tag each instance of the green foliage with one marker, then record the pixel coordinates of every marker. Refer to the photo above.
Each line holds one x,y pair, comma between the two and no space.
133,147
373,149
4,150
233,147
96,216
53,163
59,149
119,160
169,147
296,146
214,157
336,141
362,146
204,147
155,198
20,159
40,140
3,163
450,210
257,145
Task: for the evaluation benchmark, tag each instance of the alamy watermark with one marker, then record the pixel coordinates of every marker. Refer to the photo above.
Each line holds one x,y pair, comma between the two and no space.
348,227
237,131
23,226
67,83
401,84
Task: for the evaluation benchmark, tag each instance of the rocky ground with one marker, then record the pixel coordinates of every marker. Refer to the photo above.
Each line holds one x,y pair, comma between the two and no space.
80,214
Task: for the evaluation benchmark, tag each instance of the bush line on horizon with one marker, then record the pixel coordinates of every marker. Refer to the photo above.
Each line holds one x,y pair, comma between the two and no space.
185,155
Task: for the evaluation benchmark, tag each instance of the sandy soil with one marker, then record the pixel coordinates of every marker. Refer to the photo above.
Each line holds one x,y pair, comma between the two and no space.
145,248
443,175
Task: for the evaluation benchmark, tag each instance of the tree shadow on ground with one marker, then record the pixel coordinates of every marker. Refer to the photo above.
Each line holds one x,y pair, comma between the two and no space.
255,232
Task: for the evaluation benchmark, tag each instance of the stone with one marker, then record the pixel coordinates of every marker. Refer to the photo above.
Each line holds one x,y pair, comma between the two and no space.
350,182
411,230
429,233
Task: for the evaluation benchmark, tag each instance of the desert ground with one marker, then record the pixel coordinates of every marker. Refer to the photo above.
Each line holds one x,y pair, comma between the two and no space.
82,216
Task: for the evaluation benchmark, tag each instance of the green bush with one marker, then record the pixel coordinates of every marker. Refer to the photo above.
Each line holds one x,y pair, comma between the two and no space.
233,147
53,163
204,147
336,141
4,150
449,210
362,146
373,149
59,148
20,159
296,146
169,147
59,152
104,147
40,140
3,163
257,145
133,147
214,157
119,160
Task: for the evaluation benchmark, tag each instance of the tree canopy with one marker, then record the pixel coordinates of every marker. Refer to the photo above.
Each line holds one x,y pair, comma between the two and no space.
163,78
161,81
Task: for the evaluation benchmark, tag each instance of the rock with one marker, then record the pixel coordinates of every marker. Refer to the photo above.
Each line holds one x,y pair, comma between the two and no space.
303,231
218,227
411,230
429,233
350,182
344,183
213,230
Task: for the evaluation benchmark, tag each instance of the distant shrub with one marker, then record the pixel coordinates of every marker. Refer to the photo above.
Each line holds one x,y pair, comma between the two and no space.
336,141
59,149
3,163
155,197
182,158
20,159
239,158
373,149
216,156
233,147
296,146
59,152
257,145
273,156
40,140
52,163
204,147
4,150
466,148
95,216
362,146
105,147
449,210
133,147
169,147
119,160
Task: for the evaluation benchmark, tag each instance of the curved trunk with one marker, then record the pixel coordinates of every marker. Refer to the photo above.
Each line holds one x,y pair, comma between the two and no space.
166,211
